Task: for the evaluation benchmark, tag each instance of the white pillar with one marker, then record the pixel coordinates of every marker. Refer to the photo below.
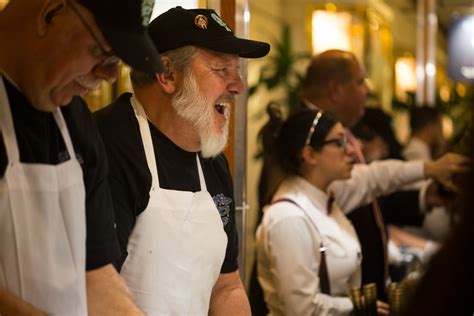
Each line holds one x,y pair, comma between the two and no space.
427,26
242,27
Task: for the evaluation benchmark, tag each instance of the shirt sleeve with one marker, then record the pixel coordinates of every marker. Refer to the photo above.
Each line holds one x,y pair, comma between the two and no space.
377,179
230,263
292,247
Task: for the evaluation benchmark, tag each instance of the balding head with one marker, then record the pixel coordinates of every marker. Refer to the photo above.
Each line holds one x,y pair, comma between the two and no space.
335,82
329,65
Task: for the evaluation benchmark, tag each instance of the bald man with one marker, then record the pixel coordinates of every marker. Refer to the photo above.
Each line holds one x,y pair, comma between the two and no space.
335,81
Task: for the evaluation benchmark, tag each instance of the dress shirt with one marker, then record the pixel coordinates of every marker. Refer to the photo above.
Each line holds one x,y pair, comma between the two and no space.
288,253
377,178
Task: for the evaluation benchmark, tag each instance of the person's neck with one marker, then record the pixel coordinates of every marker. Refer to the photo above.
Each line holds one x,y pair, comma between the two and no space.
320,103
317,179
162,115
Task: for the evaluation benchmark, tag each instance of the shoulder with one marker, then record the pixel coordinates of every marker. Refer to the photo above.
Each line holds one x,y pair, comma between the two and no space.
128,169
219,167
118,125
77,115
219,163
282,209
115,114
81,127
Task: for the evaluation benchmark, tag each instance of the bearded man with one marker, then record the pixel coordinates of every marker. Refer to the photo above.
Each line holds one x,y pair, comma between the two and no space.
170,183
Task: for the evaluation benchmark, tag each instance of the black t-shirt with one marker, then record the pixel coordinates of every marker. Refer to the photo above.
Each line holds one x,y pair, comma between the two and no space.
40,141
130,178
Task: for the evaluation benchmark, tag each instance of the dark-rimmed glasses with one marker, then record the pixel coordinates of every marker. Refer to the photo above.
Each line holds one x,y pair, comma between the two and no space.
109,56
340,142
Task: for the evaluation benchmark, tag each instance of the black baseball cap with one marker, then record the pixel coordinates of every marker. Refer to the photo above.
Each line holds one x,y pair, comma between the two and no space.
180,27
124,23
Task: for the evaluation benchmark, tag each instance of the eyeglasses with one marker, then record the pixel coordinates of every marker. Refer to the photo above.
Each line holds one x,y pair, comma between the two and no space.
340,142
313,127
109,56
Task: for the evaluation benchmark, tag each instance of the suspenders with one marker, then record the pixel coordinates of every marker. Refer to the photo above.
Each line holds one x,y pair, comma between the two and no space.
323,269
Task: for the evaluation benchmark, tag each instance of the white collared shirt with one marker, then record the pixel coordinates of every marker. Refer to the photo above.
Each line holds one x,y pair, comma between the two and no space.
288,256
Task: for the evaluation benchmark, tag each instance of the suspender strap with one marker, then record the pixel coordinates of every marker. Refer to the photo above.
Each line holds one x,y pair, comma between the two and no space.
323,269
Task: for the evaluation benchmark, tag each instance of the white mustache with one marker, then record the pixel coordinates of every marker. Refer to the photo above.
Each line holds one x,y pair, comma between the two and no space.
226,99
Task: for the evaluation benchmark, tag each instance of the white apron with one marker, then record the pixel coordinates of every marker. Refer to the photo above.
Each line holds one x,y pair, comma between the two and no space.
42,226
177,247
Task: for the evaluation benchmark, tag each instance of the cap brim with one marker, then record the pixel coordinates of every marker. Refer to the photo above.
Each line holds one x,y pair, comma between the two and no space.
136,50
243,47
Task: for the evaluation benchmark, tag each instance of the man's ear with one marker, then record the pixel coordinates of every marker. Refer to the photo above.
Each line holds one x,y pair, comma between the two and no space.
334,88
48,11
167,79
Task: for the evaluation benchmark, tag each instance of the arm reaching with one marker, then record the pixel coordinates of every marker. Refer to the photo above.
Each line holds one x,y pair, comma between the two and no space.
14,306
384,177
377,179
443,169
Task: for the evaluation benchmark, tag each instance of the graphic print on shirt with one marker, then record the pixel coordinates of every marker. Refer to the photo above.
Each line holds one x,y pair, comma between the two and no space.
223,205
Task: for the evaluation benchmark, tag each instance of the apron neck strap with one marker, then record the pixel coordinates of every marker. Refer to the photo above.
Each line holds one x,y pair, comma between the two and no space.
202,181
6,125
58,117
147,141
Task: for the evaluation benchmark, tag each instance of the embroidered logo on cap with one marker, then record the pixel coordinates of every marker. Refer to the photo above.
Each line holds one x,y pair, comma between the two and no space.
147,10
220,22
201,21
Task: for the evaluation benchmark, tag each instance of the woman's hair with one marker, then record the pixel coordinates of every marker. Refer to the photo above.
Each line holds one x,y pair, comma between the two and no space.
284,140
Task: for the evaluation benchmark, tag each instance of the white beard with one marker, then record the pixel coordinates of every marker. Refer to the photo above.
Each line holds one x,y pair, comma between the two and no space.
196,108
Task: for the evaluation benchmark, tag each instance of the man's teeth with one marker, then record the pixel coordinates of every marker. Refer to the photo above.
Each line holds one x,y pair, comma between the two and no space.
220,108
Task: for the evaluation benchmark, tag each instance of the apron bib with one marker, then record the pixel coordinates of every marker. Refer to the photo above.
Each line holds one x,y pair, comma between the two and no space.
178,244
42,226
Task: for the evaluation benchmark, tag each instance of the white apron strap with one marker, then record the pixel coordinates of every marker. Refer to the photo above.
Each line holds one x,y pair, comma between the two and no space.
148,146
202,181
6,126
58,117
147,141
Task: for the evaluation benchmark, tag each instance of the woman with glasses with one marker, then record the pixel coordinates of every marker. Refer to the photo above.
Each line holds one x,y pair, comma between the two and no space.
308,254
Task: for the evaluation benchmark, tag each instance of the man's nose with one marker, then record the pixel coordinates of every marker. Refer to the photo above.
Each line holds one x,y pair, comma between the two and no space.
107,72
367,86
350,150
236,84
